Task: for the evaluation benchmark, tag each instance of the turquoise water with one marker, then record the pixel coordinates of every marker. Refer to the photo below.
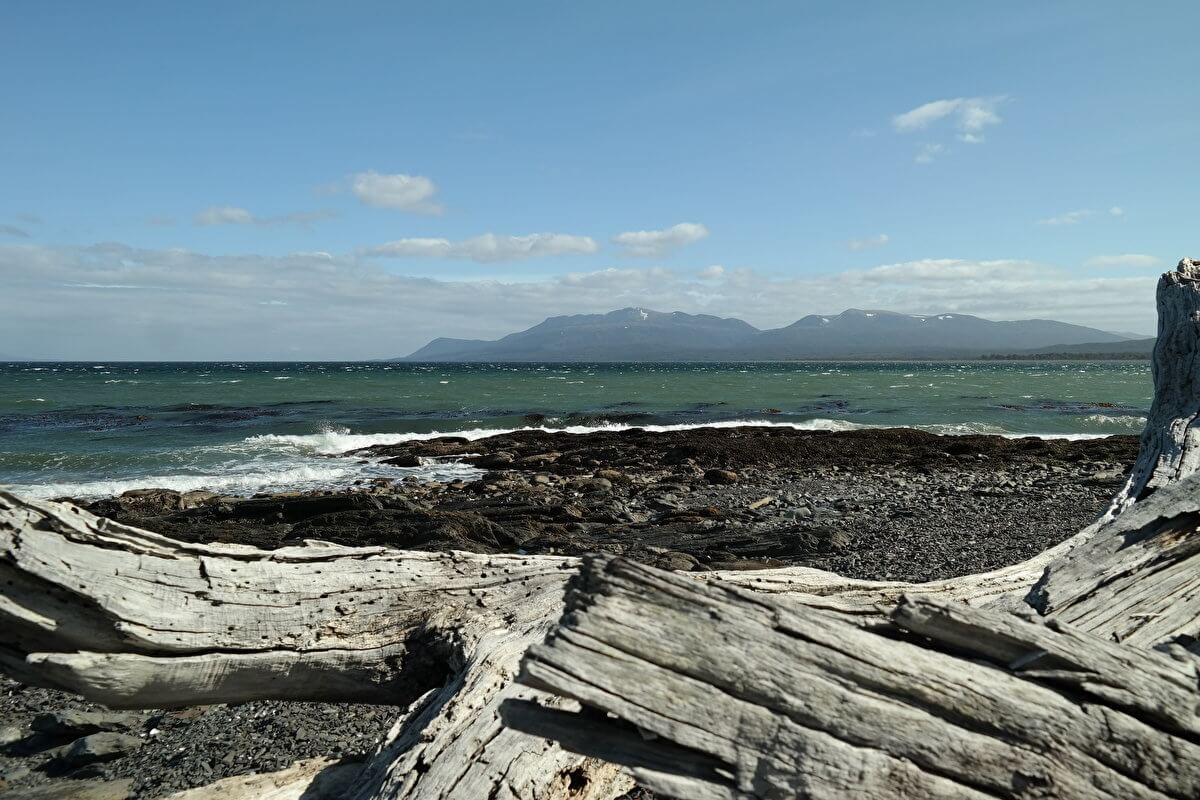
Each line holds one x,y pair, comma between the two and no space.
97,429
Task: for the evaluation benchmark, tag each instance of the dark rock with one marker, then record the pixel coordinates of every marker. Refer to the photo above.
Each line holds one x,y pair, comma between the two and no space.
74,724
406,460
295,509
613,475
151,502
97,747
673,559
590,484
721,476
538,460
496,460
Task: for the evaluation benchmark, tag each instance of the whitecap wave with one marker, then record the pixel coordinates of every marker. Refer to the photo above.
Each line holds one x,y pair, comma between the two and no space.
967,429
332,474
337,441
236,483
1130,421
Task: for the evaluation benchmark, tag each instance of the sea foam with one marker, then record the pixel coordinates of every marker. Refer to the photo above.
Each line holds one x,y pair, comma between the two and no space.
337,441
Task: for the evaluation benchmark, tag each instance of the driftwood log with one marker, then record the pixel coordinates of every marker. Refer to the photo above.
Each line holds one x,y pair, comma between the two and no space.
777,683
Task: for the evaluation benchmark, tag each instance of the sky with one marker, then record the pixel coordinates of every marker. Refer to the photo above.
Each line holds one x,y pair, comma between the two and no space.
319,180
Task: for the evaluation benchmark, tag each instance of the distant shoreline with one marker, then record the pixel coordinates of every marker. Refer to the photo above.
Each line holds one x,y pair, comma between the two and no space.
1068,357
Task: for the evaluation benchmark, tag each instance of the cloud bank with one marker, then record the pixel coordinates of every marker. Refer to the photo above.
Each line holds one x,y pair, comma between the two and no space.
232,215
1126,260
110,301
489,248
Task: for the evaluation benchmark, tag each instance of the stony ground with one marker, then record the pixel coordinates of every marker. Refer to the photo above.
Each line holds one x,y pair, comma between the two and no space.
897,504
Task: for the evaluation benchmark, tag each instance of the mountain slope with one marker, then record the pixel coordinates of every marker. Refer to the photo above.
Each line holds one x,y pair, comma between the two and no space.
634,334
862,334
630,334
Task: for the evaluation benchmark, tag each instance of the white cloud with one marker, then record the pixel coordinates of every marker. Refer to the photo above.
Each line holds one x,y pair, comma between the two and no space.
715,272
404,192
619,280
489,247
232,215
224,215
653,244
868,242
928,153
925,115
971,115
1068,218
1079,215
1126,260
115,286
936,270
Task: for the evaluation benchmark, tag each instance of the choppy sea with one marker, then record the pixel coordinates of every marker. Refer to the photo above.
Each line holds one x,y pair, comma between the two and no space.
91,430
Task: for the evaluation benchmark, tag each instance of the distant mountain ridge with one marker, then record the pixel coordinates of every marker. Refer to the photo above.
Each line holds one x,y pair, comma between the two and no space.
637,334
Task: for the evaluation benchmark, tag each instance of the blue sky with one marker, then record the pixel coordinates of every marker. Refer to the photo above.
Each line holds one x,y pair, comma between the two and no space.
320,180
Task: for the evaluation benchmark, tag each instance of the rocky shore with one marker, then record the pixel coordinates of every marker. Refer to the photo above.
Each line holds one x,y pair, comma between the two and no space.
897,504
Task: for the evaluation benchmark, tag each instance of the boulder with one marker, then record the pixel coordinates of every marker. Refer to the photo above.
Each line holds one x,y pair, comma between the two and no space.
614,475
721,476
590,484
97,748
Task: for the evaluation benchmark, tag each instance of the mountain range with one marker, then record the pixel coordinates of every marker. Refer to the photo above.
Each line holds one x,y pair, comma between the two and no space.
636,334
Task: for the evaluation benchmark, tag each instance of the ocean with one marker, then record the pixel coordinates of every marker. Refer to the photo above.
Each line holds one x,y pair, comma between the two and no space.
92,430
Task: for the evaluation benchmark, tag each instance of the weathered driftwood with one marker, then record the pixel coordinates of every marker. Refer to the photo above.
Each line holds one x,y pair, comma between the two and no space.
131,618
717,692
1170,446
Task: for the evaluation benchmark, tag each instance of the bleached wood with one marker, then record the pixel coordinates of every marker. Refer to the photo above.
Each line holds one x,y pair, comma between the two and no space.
131,618
1139,581
1170,446
718,692
312,779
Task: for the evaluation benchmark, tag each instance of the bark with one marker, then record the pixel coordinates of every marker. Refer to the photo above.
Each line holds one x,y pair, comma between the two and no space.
793,681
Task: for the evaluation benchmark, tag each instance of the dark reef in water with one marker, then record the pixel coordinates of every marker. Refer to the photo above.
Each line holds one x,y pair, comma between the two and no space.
869,503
